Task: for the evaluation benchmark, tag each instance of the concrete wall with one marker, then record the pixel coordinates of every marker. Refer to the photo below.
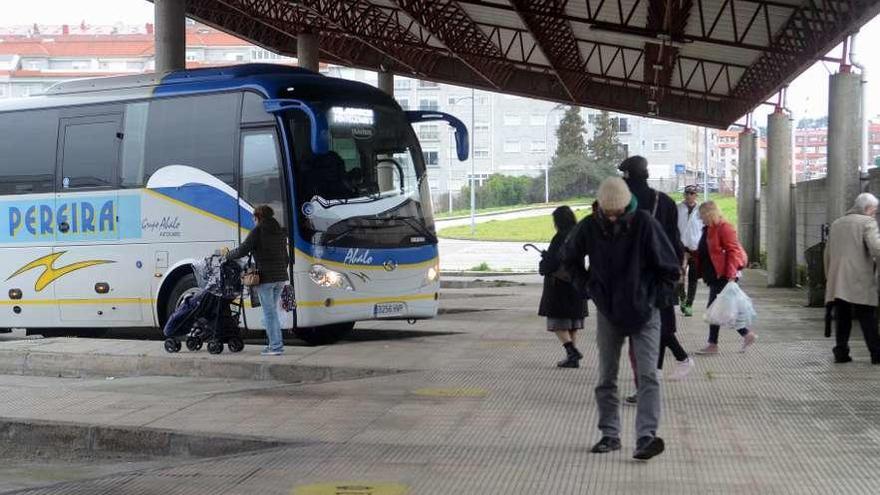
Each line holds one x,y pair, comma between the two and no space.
810,200
810,205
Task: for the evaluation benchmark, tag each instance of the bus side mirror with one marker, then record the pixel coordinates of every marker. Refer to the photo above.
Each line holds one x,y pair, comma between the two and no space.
462,143
320,142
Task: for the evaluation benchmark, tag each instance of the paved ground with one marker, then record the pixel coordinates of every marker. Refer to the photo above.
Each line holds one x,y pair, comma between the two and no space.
458,255
471,403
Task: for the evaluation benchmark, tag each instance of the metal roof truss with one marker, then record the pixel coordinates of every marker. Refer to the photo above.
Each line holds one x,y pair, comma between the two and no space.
704,62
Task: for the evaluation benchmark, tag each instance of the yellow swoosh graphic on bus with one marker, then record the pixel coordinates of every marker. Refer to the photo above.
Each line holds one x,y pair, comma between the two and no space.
50,273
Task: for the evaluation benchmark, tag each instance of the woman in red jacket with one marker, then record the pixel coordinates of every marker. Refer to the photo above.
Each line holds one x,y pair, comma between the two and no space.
719,260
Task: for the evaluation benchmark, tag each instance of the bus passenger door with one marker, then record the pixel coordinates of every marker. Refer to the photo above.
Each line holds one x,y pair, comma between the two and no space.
94,275
262,183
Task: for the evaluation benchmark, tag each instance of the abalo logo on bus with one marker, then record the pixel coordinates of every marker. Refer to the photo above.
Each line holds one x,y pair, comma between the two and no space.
74,218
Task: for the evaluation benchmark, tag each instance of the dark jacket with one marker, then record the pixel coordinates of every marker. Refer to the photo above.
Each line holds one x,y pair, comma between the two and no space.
268,244
559,298
665,211
629,259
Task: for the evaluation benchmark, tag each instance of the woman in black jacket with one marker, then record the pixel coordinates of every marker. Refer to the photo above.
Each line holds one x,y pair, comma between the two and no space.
564,308
267,242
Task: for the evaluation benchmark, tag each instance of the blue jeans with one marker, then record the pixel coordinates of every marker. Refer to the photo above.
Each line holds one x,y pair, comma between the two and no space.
269,295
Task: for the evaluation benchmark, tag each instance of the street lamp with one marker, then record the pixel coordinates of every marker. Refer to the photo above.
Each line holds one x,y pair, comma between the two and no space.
473,147
547,152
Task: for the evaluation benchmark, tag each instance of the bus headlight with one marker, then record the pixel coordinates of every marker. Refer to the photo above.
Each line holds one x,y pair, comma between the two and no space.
327,278
433,274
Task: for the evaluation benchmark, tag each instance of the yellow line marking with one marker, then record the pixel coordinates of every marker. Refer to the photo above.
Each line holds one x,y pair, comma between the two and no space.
336,264
47,302
365,300
452,392
351,488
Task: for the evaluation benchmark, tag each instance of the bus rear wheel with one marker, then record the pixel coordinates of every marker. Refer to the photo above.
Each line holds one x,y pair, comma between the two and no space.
323,335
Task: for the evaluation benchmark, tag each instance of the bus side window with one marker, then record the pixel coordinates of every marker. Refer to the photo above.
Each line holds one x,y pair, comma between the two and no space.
28,141
134,145
261,179
196,131
91,151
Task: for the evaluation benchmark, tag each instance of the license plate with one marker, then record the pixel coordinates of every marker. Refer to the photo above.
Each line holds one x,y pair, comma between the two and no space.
388,310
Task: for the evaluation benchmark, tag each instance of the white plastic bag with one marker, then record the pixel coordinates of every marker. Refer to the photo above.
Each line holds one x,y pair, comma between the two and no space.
731,309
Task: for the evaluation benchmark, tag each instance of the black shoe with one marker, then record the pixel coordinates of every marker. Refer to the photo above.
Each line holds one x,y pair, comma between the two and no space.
577,354
605,445
648,447
631,400
841,355
569,362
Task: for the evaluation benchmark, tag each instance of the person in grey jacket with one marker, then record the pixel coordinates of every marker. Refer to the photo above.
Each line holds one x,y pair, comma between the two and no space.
267,242
851,280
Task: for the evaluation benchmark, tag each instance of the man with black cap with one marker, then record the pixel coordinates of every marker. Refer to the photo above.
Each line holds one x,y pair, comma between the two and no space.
664,210
629,258
691,228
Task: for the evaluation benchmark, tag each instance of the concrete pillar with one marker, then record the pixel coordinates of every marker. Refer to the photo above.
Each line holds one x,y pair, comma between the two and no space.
170,35
386,82
780,248
307,45
747,194
844,142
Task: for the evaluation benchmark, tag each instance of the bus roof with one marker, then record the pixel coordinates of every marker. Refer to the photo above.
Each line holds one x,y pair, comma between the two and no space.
272,80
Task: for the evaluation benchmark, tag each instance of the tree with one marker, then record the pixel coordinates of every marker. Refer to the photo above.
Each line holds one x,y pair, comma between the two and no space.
570,134
570,162
498,190
605,149
579,167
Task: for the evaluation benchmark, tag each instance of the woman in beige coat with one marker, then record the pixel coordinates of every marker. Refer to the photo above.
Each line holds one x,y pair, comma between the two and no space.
853,245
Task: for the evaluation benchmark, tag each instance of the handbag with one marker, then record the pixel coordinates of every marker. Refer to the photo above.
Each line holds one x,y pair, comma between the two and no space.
288,301
251,275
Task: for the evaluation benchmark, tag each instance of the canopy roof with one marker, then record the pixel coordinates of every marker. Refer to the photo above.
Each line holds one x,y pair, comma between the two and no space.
704,62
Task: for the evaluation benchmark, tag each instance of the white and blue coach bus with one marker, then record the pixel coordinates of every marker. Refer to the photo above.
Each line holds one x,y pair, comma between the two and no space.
111,188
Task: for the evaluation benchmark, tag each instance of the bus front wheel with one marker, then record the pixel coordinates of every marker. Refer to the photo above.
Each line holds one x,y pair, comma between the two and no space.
323,335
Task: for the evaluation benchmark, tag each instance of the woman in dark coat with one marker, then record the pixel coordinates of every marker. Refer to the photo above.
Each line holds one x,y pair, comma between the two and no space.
267,242
564,308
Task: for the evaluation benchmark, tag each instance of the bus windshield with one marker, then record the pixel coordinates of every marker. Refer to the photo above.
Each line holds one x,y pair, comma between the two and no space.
370,189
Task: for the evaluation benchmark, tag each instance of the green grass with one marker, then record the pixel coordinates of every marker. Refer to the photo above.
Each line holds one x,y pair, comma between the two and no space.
540,229
533,229
466,211
727,204
482,267
463,212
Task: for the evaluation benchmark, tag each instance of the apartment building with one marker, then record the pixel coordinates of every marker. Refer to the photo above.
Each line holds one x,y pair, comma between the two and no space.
811,150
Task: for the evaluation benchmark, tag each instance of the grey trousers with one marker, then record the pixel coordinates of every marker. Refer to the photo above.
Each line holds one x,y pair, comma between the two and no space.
646,343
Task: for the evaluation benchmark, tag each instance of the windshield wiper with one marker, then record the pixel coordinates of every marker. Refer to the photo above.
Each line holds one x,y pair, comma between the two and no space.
416,224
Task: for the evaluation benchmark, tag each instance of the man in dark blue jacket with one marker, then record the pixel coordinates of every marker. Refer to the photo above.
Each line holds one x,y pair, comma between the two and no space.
630,259
664,210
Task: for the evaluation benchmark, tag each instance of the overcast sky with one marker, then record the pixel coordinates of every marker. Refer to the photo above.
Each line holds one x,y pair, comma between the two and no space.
808,94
